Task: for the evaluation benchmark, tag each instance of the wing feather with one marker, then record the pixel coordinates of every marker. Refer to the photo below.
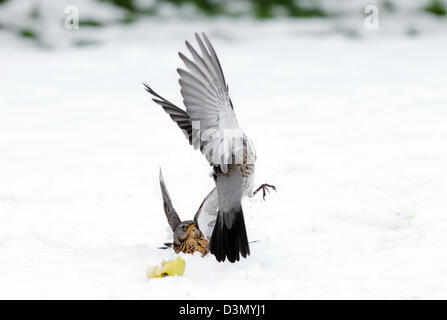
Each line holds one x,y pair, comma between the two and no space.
210,63
195,91
171,214
197,70
215,59
206,97
207,213
178,115
209,121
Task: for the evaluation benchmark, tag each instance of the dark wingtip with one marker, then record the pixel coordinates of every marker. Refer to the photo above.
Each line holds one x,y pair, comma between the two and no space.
198,39
182,56
147,88
160,176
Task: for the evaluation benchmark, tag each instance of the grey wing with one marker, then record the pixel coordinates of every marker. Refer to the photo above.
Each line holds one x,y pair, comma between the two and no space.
205,95
178,115
207,213
171,214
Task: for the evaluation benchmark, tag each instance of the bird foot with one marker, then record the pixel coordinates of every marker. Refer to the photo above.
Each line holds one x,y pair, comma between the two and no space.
264,187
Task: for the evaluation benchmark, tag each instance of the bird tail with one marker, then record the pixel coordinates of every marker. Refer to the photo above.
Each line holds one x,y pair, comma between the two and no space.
229,236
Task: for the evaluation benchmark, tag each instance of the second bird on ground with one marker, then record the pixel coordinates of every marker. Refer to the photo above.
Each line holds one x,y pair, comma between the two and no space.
190,235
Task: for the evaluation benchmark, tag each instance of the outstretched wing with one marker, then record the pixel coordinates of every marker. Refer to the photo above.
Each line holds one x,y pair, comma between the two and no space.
205,94
207,213
178,115
171,214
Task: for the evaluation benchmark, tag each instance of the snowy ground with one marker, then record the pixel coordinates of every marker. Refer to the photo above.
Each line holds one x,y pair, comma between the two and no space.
352,131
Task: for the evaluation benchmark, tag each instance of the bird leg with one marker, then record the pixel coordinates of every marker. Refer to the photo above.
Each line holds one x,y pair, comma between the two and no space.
264,187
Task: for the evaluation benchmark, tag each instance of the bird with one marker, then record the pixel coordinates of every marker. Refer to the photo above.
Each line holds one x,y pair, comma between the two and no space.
210,124
187,235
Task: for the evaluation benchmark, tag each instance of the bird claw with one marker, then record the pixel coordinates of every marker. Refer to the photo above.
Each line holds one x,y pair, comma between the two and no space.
264,187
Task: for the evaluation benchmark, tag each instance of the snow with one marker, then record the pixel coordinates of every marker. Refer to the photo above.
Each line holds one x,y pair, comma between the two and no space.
351,130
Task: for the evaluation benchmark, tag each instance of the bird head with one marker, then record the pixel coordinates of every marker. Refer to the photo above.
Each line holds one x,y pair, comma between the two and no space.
184,230
188,238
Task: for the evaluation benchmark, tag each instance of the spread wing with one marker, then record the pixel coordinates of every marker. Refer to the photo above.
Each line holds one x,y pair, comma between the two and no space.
205,94
171,214
207,213
178,115
209,121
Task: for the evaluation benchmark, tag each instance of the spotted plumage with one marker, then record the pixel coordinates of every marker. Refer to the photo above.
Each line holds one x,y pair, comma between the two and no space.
187,235
192,240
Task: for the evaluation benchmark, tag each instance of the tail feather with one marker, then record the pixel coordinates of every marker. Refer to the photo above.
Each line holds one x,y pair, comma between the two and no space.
229,238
